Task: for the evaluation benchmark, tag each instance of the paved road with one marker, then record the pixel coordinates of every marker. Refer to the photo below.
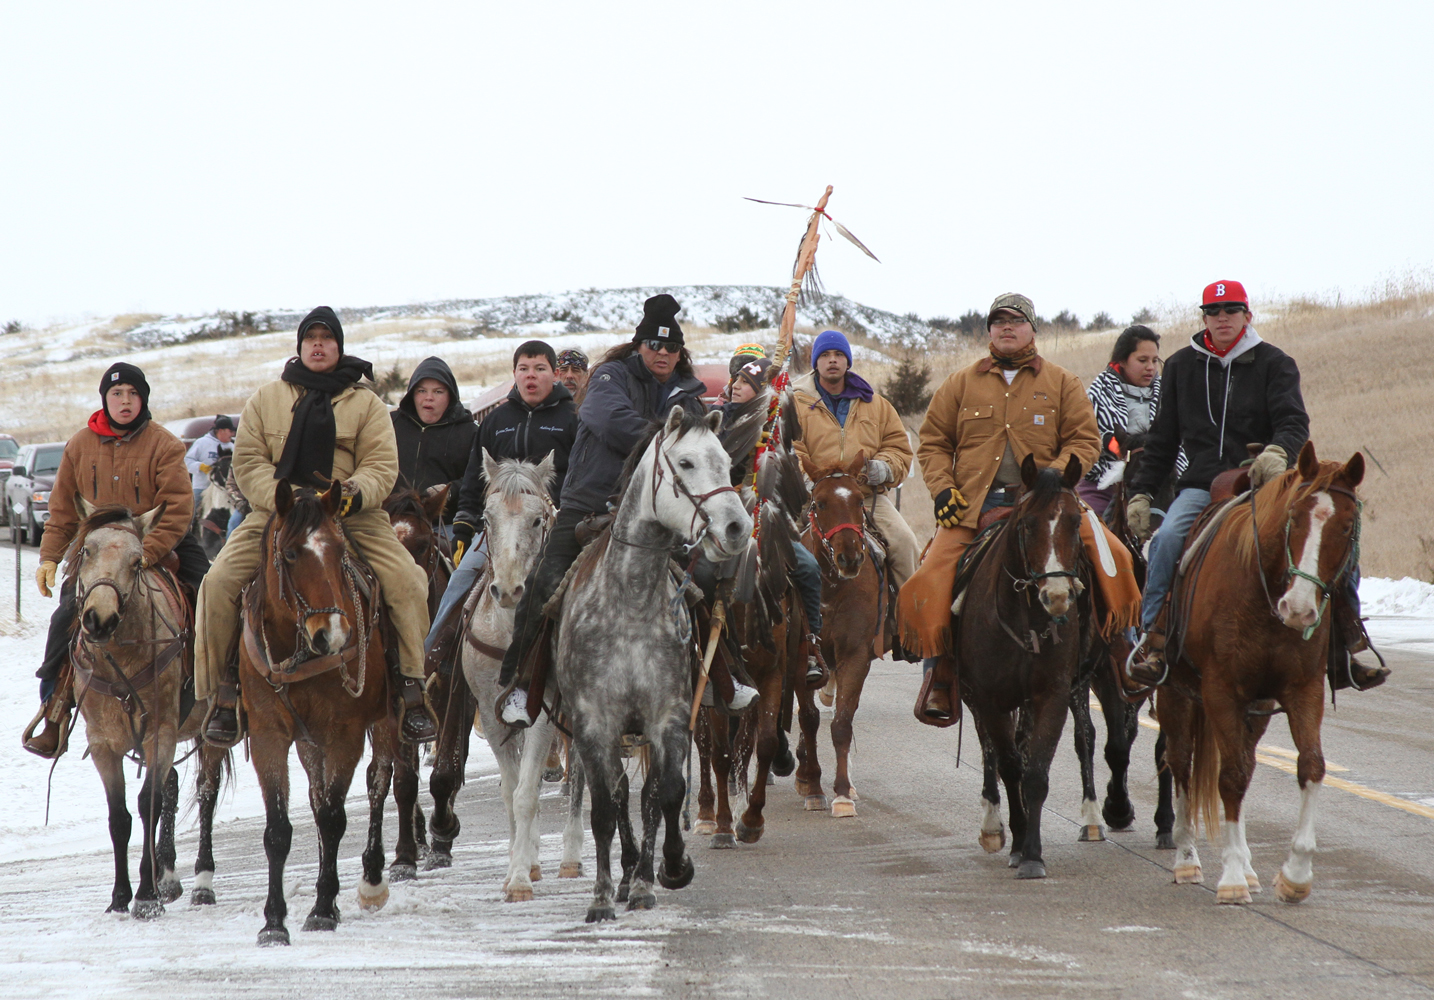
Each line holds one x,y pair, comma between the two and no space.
898,902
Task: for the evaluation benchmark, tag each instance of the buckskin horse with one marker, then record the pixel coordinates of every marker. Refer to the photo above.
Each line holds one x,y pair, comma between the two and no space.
1250,636
133,637
625,648
314,673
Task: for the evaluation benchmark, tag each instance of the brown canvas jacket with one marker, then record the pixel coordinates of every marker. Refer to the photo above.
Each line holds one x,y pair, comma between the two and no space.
1043,412
138,471
873,428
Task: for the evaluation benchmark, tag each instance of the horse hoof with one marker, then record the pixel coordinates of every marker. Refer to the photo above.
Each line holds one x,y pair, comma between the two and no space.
1188,875
679,881
815,803
552,775
202,896
597,914
118,905
535,874
784,764
1164,842
271,936
1091,833
372,897
1253,882
170,889
749,834
402,873
570,869
147,909
1291,892
993,841
723,842
642,900
315,922
622,891
770,779
1238,894
1031,869
438,859
1118,819
1014,861
519,894
843,808
801,786
704,828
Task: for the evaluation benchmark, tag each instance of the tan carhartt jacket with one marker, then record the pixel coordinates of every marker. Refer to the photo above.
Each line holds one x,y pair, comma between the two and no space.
873,428
1043,412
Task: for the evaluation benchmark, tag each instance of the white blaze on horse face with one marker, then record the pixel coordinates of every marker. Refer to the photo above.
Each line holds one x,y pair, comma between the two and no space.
1299,606
1055,590
335,626
403,530
844,493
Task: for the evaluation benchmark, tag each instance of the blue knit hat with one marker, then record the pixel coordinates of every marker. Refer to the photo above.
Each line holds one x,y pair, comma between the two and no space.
830,340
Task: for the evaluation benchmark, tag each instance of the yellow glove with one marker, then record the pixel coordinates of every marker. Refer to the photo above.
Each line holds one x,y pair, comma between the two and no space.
45,577
1267,465
204,468
950,505
1137,516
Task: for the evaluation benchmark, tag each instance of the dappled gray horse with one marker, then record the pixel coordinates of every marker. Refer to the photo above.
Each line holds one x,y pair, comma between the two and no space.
625,650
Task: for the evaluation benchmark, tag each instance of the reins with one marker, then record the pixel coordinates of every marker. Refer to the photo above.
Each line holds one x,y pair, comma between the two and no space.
1292,571
1030,642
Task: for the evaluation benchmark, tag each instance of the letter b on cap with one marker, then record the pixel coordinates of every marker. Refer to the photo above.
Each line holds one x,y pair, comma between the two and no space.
1220,290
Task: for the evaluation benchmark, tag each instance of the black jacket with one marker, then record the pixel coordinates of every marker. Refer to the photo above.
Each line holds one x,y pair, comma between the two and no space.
622,400
514,430
437,453
1216,406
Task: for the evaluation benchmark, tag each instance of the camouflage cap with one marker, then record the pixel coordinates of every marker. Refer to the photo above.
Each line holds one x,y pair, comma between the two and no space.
1015,303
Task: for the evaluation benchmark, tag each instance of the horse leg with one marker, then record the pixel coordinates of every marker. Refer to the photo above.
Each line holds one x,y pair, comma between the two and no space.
1048,719
405,793
1177,722
767,746
722,765
640,895
1306,711
373,886
602,774
271,763
523,868
170,888
111,768
676,870
147,904
809,772
1164,807
1001,731
706,824
993,831
631,853
330,773
1084,732
211,764
851,676
450,756
572,864
1122,723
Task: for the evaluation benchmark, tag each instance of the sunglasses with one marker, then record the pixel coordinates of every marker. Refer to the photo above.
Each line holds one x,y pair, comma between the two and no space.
1228,310
665,346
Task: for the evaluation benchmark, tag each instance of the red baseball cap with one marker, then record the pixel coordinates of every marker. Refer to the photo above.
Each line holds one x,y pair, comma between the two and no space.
1225,291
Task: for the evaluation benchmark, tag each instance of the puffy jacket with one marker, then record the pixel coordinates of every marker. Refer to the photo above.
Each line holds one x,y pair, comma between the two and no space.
974,415
437,453
139,470
204,451
364,449
1215,406
516,430
622,399
874,428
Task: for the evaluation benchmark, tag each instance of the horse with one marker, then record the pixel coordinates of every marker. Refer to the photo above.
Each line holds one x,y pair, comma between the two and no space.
1250,637
1020,637
134,632
212,516
517,513
625,654
855,601
313,671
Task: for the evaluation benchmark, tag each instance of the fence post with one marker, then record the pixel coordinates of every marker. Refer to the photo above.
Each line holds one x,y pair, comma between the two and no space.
15,536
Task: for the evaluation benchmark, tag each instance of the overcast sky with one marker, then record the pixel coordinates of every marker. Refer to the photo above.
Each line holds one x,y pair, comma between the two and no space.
1096,156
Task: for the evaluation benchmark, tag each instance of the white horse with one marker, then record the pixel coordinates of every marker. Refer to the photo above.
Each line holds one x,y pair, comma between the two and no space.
518,514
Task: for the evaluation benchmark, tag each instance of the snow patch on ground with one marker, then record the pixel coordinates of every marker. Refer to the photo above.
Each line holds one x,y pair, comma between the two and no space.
1400,613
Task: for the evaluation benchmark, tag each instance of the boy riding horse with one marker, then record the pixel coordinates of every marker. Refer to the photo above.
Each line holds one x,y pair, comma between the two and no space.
121,457
316,424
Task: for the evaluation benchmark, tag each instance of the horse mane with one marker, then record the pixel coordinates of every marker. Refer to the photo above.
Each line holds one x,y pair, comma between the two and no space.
1048,486
690,421
306,517
514,478
405,502
103,517
1278,494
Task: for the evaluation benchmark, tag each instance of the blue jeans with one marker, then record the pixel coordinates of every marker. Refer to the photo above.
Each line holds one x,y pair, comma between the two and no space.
807,575
462,581
235,519
1165,549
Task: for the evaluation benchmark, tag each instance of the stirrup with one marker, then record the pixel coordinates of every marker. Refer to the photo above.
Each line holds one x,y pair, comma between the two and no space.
1147,679
62,742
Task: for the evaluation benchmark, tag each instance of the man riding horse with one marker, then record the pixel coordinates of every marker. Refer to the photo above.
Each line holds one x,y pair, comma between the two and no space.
316,424
980,425
1225,391
121,457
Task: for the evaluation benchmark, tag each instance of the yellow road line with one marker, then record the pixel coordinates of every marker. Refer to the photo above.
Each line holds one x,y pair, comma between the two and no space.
1284,760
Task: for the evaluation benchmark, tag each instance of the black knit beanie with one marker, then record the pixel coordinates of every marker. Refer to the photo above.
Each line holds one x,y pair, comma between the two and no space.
659,320
322,316
124,373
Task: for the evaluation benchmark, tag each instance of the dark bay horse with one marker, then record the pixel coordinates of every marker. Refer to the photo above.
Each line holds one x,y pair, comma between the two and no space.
1253,610
133,638
313,673
1022,633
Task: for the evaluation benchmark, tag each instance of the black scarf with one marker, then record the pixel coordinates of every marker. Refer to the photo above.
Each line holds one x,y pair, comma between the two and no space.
308,458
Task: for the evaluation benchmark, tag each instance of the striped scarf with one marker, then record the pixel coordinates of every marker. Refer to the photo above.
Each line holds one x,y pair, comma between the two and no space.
1110,402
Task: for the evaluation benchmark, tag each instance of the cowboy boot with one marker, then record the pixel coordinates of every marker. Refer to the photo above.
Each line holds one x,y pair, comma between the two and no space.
1350,638
221,728
941,699
817,669
417,723
55,737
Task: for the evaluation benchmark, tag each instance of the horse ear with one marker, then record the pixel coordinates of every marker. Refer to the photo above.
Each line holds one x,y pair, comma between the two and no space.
548,471
674,420
82,506
1029,472
145,522
1072,474
435,501
490,466
714,421
1308,462
1353,471
333,498
858,464
809,468
283,498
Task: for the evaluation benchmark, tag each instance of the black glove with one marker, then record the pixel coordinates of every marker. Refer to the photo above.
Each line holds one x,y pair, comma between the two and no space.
352,501
950,505
463,533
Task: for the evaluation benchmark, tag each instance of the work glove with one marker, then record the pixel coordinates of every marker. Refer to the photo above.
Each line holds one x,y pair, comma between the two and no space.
45,577
352,502
1137,516
463,533
950,505
204,468
1267,465
877,472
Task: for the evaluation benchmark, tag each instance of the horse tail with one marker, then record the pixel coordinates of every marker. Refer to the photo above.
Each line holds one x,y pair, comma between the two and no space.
1204,797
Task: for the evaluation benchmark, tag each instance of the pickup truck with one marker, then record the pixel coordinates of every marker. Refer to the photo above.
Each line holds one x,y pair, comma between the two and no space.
27,492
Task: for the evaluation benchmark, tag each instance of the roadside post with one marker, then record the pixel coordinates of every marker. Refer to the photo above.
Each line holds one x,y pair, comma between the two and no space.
15,537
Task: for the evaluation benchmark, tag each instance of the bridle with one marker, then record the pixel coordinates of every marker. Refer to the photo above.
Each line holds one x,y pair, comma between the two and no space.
680,489
1030,643
1292,571
1023,583
826,535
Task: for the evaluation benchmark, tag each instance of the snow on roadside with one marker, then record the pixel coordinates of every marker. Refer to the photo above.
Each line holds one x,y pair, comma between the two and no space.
1400,612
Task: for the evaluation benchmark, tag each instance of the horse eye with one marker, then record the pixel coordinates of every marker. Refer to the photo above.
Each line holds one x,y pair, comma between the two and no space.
684,463
821,505
537,522
290,555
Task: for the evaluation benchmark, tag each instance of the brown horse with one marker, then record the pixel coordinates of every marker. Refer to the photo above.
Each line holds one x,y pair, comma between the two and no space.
134,636
855,600
313,671
1252,610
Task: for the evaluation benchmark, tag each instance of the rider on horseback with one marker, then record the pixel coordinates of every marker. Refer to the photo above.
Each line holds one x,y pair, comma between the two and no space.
121,457
316,424
434,432
205,452
1251,394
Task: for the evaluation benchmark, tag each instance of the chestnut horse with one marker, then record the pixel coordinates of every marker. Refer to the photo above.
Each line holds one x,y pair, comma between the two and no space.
313,672
1251,631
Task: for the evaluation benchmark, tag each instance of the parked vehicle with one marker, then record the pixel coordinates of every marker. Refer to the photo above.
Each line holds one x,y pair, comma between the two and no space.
9,448
27,492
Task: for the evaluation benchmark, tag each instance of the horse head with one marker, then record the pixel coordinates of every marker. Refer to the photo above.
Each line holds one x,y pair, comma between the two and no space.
517,512
305,564
691,490
1047,530
836,514
106,559
1322,540
414,516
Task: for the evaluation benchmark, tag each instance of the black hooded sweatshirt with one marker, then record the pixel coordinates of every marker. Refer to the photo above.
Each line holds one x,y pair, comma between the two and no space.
515,430
437,453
